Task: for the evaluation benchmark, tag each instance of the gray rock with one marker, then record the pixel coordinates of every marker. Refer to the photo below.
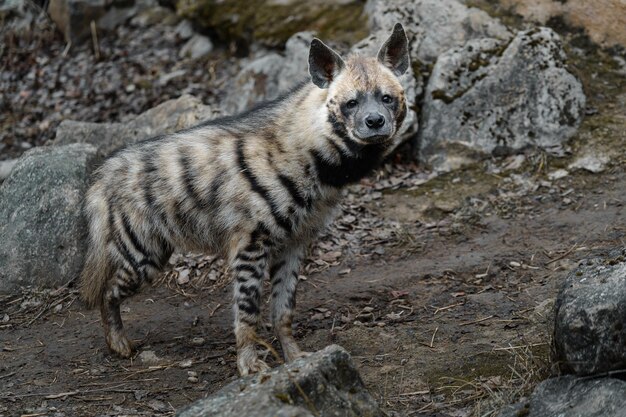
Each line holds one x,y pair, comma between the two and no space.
569,396
150,16
73,17
434,26
267,76
167,117
41,223
323,384
196,47
115,16
590,162
590,324
184,29
492,97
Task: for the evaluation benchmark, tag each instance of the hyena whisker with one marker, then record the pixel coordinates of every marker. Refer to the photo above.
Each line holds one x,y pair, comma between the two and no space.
254,189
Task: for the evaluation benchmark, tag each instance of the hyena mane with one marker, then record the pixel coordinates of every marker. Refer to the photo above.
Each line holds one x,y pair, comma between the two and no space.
254,188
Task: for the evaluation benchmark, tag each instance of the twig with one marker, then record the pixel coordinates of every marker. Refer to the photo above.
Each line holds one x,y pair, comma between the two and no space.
521,347
94,38
432,340
477,321
564,255
438,309
43,310
409,394
61,395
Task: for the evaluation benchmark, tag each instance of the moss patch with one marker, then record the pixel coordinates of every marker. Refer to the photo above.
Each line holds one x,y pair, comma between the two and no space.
272,23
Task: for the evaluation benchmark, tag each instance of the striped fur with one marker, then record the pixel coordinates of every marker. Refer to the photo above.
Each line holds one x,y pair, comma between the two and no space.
255,188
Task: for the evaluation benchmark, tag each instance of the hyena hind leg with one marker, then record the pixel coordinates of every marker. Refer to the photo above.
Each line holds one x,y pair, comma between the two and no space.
284,279
124,284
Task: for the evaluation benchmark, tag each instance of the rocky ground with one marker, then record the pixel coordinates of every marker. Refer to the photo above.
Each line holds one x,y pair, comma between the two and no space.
440,286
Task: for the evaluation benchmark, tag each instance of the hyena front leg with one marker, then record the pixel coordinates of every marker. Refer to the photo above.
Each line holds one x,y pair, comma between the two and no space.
284,279
250,267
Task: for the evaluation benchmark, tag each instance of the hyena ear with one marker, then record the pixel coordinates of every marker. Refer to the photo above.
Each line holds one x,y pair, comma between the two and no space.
324,64
394,54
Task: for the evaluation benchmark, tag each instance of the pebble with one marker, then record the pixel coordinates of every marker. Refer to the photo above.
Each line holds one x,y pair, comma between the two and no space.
197,341
185,364
148,357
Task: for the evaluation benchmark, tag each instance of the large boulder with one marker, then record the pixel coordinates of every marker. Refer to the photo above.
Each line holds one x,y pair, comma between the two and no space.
271,23
41,223
490,97
167,117
603,20
324,384
268,74
434,26
590,325
569,396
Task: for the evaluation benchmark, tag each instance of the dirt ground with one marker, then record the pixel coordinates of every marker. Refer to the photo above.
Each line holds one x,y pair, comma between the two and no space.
440,324
442,292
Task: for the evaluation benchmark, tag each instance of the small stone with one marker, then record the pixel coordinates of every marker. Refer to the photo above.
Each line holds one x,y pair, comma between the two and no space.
196,47
591,163
192,379
192,373
157,405
558,174
183,277
185,363
184,29
166,78
197,341
148,357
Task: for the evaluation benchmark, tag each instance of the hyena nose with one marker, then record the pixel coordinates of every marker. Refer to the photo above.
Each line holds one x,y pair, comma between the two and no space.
375,120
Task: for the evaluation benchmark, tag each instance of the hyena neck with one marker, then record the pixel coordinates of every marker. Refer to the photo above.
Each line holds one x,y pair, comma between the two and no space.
322,138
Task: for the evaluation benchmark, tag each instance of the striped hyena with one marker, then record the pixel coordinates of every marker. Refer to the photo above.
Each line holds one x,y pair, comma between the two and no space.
255,188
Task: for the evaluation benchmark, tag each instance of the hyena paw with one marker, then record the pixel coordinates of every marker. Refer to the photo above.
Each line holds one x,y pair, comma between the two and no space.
248,366
119,344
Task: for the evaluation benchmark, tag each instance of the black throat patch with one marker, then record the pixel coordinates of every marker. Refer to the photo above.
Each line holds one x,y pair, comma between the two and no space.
356,161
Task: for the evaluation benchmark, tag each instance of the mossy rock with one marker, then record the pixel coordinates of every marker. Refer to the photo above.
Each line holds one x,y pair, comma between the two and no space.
272,22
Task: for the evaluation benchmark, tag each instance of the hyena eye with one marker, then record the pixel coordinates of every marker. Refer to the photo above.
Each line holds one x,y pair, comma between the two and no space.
387,99
351,104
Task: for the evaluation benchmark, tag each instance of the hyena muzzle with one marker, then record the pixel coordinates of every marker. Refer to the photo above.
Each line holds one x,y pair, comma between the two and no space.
255,188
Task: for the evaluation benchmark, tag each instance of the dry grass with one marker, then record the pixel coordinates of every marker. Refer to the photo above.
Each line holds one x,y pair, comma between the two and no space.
481,395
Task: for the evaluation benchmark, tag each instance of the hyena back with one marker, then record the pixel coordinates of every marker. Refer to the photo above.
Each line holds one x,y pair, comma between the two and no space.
255,188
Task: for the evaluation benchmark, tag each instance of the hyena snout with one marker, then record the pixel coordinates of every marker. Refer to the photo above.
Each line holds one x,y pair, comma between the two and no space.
374,121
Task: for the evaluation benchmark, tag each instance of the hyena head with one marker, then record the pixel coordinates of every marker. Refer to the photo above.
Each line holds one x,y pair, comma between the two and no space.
365,99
